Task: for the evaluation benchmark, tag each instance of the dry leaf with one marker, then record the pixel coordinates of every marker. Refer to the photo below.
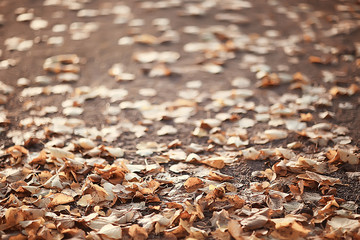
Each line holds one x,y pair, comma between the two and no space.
214,162
220,220
137,232
274,134
250,154
235,229
345,225
60,198
255,222
219,235
289,228
111,231
193,183
321,179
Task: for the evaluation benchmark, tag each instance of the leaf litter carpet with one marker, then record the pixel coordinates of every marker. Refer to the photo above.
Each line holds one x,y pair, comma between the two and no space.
179,119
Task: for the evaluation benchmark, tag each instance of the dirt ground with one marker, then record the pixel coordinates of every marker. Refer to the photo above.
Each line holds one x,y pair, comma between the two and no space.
288,66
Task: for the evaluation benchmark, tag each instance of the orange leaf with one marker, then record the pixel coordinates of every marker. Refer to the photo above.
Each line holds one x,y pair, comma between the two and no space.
18,237
315,59
193,183
235,229
13,216
215,163
288,228
217,176
306,117
60,198
137,232
41,159
17,151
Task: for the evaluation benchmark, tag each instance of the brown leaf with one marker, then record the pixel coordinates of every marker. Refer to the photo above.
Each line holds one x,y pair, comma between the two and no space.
236,201
269,80
17,152
193,183
97,193
11,201
169,236
288,228
351,90
85,200
218,138
342,156
150,187
321,179
13,216
219,235
18,186
18,237
113,173
306,117
220,220
315,59
255,222
74,233
218,176
60,198
137,232
41,159
235,229
299,77
214,162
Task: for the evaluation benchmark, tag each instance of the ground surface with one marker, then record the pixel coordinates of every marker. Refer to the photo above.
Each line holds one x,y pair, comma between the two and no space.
179,119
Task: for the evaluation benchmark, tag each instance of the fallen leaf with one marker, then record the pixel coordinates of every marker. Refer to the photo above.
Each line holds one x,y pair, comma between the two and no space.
14,216
167,130
60,153
345,225
250,154
289,228
217,176
220,220
193,183
255,222
111,231
219,235
137,232
274,134
214,162
235,229
60,198
321,179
